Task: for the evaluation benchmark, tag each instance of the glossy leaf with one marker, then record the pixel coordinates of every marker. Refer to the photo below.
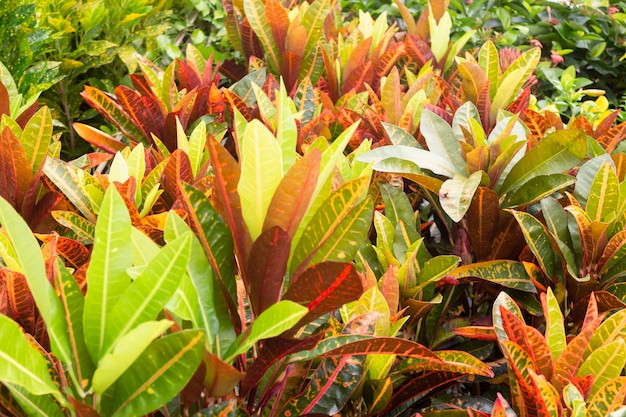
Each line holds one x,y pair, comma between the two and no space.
212,314
21,364
482,221
36,138
293,194
70,181
604,195
322,288
127,349
509,274
609,398
419,157
149,292
261,173
604,363
555,154
441,140
339,221
106,275
159,373
32,264
536,189
540,243
455,194
267,266
274,321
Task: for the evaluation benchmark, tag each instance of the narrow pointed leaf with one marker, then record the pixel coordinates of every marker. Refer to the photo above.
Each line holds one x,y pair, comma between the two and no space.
604,363
36,138
441,140
32,264
128,348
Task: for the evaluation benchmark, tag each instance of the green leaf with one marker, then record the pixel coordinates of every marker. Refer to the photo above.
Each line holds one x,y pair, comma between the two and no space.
71,181
455,194
555,326
540,243
32,264
286,129
127,349
21,364
441,140
150,291
574,400
159,373
604,363
417,157
490,63
536,189
275,320
35,405
556,153
586,176
255,13
509,274
337,228
609,398
36,138
261,173
604,195
212,314
107,278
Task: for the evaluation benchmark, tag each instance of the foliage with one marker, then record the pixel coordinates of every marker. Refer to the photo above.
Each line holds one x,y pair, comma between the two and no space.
364,217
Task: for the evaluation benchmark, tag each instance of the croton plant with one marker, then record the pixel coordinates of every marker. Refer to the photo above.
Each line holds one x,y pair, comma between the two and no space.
356,220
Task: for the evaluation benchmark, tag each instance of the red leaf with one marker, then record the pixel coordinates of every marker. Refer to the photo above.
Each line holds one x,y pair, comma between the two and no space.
418,50
267,265
220,377
98,138
290,66
483,104
278,20
420,385
293,194
145,113
272,351
361,75
325,287
112,111
482,221
21,304
16,176
26,115
5,102
177,169
226,200
188,76
606,124
613,137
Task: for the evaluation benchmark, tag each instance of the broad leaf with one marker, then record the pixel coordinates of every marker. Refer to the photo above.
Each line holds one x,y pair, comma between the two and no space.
325,287
150,291
107,278
159,373
274,321
21,364
556,153
455,194
261,172
441,140
509,274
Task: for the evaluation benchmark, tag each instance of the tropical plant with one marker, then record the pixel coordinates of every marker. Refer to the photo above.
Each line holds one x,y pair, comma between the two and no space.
581,246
